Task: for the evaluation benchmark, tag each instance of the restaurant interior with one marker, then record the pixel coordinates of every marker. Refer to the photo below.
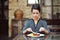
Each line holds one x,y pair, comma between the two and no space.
50,10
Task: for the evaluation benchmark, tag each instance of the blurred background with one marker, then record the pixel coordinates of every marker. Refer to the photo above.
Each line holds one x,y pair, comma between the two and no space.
50,10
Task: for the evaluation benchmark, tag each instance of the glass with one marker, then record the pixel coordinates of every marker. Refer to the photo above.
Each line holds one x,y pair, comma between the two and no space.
46,2
46,12
56,12
56,2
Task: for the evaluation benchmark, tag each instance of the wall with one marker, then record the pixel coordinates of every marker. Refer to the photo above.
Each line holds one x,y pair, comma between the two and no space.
18,4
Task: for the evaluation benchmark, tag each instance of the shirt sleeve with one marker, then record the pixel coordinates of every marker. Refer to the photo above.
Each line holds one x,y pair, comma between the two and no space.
44,24
26,25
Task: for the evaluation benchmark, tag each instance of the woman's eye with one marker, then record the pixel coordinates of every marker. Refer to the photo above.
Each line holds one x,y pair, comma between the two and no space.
36,13
33,13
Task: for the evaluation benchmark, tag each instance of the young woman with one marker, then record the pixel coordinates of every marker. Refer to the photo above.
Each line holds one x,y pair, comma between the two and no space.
36,24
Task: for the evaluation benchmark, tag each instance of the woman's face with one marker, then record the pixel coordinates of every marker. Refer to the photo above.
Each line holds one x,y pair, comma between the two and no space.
35,14
18,14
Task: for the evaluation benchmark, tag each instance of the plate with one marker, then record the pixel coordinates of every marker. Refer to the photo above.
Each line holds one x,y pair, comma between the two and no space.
32,35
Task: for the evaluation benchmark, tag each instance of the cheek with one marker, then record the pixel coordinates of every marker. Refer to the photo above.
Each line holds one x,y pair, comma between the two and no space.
32,14
18,15
36,15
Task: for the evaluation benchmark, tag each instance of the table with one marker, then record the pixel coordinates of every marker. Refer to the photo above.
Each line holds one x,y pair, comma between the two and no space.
36,38
47,37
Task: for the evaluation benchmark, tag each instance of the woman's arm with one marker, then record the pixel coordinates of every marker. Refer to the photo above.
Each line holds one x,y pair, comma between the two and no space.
44,27
27,27
46,30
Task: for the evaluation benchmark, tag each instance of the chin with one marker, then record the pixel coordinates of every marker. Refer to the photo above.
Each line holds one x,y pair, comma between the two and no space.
35,18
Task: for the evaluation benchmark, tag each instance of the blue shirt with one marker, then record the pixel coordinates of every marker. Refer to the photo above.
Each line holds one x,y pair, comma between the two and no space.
30,24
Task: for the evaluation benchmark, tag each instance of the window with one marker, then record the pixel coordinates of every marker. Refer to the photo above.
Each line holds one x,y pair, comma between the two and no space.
51,11
46,7
56,2
56,9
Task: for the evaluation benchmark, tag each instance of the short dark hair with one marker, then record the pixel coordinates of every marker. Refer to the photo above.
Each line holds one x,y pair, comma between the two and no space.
36,6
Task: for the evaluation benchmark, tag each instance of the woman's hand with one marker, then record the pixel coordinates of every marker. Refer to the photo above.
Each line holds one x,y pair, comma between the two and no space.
42,29
28,29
